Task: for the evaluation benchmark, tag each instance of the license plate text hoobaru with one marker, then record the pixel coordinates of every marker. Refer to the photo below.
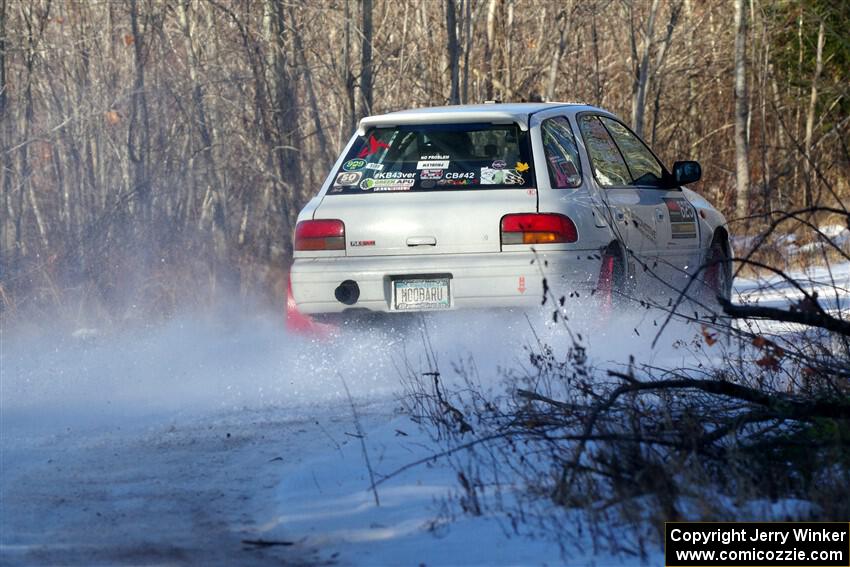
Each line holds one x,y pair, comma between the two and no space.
422,294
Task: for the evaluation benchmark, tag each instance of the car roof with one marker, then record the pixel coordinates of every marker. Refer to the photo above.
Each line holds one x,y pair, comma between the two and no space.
518,112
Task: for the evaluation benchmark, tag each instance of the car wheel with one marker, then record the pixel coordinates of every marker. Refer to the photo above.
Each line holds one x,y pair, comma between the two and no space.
718,272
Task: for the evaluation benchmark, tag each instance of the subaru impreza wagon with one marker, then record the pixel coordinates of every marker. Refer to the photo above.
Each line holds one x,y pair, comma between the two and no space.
470,206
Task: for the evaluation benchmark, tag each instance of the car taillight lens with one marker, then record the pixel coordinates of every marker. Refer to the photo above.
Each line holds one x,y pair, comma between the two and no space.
320,235
538,228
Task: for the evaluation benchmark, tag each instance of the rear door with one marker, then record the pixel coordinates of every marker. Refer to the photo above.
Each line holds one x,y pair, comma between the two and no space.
429,189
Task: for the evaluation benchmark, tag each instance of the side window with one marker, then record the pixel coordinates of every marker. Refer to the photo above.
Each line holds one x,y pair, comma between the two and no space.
561,153
608,166
643,166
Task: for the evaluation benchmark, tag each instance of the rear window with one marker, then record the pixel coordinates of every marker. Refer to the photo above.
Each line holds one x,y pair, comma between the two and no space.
436,157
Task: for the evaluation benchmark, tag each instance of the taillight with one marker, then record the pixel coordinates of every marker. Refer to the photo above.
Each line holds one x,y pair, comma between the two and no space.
538,228
320,235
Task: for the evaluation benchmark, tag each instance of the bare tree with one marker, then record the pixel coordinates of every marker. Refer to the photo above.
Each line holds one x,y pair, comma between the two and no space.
742,173
810,116
452,52
366,57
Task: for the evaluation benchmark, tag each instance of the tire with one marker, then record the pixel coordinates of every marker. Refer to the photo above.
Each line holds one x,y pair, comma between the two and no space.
718,272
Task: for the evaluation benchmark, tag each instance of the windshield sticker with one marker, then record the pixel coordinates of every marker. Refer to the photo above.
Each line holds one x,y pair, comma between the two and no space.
431,174
454,182
394,175
387,184
373,147
428,184
348,179
499,164
513,178
394,188
354,164
435,156
460,175
432,164
521,166
491,176
375,166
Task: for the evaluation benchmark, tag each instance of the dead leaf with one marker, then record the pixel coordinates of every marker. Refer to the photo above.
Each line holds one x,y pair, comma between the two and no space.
709,337
129,40
768,361
112,117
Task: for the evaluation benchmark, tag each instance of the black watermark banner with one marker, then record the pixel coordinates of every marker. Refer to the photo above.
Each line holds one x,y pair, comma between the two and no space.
757,544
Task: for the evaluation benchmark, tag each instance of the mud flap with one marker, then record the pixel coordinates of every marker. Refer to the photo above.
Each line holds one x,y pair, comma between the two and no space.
300,324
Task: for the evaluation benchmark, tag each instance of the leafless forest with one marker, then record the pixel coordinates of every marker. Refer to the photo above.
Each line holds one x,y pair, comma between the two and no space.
156,153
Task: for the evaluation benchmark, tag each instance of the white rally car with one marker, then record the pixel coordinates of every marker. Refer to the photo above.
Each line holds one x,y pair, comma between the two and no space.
445,208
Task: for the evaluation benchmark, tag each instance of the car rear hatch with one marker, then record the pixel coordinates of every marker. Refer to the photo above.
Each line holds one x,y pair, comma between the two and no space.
431,188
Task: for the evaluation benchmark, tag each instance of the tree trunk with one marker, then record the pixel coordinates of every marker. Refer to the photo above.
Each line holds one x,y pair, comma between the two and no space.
366,58
467,47
214,212
742,174
452,48
350,119
641,66
488,50
138,134
563,19
6,240
810,118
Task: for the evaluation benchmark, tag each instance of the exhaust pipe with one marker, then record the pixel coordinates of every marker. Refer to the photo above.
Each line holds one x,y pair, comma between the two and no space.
347,293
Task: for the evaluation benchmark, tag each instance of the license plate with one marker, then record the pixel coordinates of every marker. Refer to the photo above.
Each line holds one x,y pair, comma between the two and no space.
421,294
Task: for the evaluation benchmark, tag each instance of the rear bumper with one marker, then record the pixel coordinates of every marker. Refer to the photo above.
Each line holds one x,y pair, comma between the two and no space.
501,279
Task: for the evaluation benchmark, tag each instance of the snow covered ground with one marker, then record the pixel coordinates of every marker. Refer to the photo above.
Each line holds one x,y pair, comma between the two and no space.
200,442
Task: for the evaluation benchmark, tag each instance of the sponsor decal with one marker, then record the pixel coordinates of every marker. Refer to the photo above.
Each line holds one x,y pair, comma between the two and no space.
354,164
372,147
428,184
394,175
362,243
387,184
683,219
460,175
348,179
431,174
513,178
432,164
491,176
336,189
499,164
393,188
435,156
375,166
521,166
454,182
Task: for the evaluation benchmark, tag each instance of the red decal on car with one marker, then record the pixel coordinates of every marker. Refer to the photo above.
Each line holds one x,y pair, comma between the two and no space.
373,147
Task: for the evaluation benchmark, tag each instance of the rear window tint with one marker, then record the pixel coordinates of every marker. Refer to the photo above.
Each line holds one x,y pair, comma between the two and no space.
436,157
